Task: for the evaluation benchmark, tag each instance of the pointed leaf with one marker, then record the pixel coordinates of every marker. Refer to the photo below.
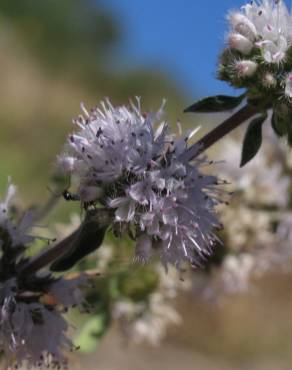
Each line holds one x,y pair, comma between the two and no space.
279,124
252,140
212,104
89,237
289,132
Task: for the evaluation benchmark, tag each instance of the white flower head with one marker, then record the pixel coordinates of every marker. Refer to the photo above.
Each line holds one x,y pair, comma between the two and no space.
258,58
267,24
136,164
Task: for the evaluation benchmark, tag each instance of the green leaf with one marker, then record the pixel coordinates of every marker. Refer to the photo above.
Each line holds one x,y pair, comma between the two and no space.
252,140
86,240
92,332
279,124
289,131
212,104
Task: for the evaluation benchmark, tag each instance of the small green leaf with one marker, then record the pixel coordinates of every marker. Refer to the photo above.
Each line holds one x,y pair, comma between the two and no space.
279,124
252,140
212,104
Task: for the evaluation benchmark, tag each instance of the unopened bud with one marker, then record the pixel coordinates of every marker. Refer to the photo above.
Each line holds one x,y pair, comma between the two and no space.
269,80
66,163
241,43
245,68
241,24
288,86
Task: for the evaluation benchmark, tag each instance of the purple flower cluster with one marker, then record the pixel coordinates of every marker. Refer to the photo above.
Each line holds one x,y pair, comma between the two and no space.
32,328
128,161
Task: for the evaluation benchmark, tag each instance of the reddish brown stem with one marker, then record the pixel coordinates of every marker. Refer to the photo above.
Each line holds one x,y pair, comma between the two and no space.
220,131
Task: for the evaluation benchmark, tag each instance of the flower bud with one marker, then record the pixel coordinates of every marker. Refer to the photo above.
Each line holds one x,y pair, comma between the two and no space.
269,80
241,24
241,43
245,68
288,86
66,163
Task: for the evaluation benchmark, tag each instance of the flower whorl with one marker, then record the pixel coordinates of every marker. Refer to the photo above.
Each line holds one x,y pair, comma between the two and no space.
32,329
125,164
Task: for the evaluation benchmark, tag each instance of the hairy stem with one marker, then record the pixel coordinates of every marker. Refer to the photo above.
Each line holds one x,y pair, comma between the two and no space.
220,131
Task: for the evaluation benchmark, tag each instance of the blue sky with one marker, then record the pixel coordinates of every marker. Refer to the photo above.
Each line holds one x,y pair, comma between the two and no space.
181,37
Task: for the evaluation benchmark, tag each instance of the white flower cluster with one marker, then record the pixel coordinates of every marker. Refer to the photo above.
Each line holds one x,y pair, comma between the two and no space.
258,53
265,25
32,329
125,164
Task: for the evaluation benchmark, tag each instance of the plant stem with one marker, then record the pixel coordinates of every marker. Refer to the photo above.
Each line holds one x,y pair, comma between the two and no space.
220,131
48,256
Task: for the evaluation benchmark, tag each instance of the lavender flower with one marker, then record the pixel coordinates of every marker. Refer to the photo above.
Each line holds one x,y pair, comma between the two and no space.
32,329
126,164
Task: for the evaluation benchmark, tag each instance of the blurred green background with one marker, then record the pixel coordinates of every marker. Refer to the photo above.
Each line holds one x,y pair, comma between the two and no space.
55,54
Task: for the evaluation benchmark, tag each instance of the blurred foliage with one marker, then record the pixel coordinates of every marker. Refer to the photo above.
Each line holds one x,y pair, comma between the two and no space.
119,282
138,283
63,33
92,332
